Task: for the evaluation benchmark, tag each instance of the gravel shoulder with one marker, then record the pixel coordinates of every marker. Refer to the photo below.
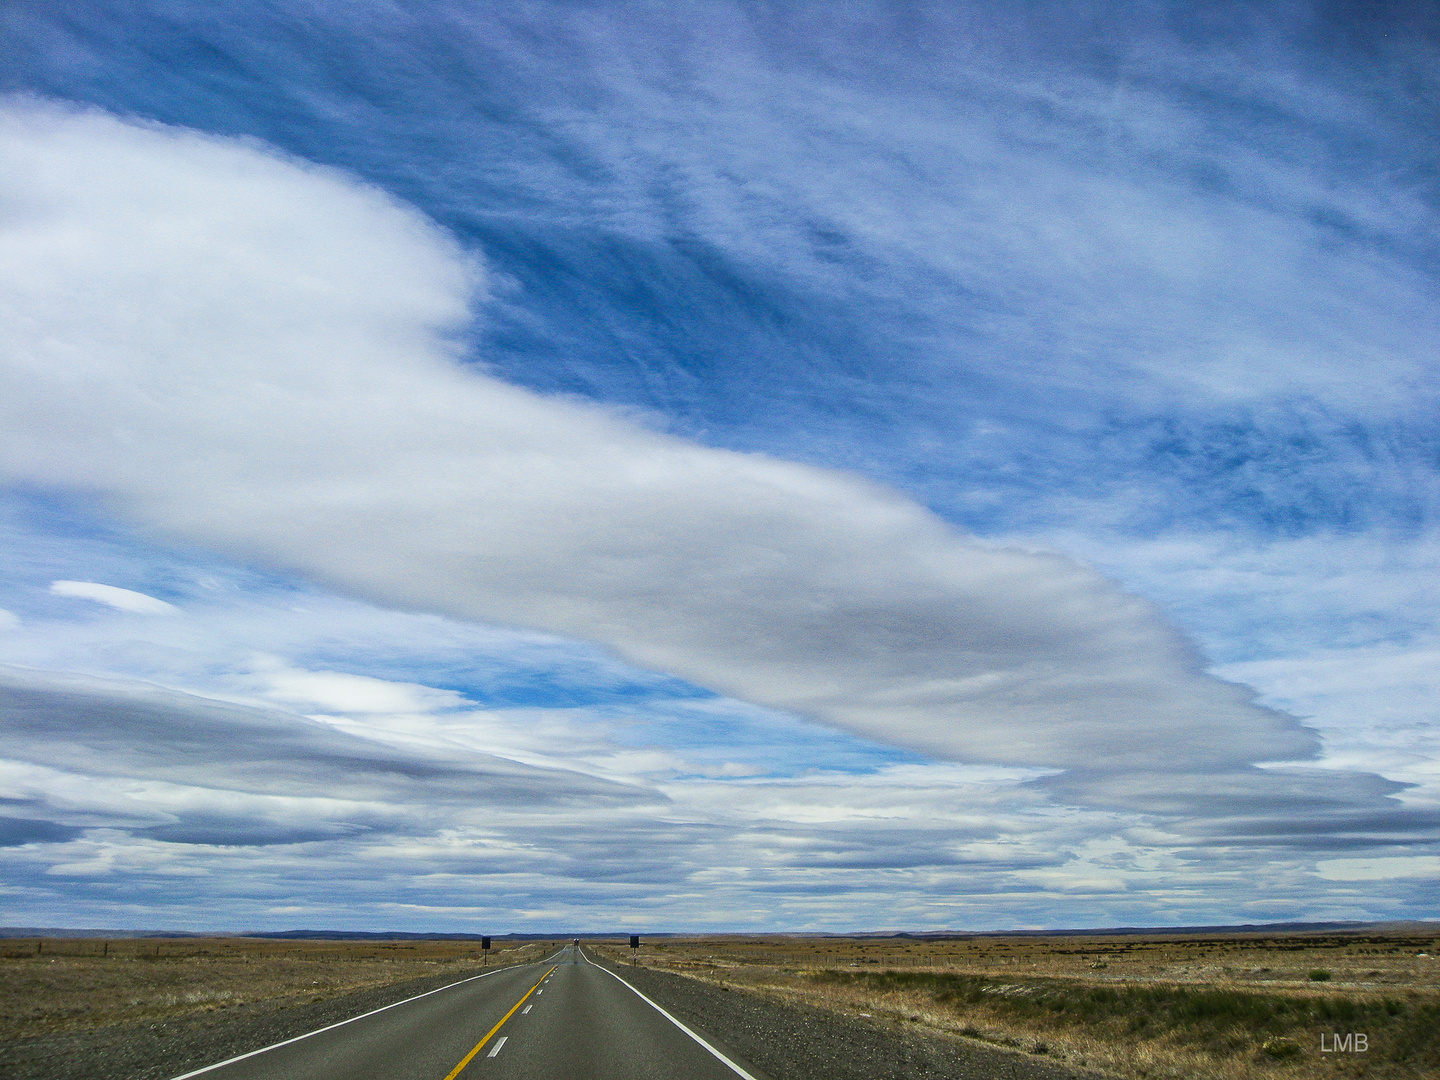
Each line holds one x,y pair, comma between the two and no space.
157,1051
782,1041
789,1041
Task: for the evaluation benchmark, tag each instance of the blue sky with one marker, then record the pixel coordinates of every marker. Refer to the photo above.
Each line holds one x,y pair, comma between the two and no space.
728,466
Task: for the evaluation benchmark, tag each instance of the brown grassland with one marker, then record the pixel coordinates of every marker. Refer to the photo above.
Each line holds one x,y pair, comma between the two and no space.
1211,1006
1207,1006
54,986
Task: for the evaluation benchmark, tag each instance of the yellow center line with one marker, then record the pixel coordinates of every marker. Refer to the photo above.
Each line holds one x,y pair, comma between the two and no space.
491,1033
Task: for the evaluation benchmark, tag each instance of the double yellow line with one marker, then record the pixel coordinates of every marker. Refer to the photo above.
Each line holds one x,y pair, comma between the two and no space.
491,1033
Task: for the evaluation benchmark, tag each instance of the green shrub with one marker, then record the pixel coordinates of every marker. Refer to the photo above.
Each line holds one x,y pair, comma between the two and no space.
1280,1049
1217,1019
1319,975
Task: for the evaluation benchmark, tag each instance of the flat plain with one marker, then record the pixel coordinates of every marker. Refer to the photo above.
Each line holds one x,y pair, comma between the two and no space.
1206,1006
67,985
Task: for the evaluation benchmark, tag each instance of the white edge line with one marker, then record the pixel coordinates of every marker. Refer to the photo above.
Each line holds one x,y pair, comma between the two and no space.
342,1023
736,1069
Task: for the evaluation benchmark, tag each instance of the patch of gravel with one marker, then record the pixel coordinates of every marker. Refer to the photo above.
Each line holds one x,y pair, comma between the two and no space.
791,1041
163,1049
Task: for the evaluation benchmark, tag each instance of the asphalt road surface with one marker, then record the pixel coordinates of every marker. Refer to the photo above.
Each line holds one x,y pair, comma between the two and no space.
563,1019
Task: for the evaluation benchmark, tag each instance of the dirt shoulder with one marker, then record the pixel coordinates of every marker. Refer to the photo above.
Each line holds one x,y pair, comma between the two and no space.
1237,1007
794,1040
149,1010
160,1049
51,987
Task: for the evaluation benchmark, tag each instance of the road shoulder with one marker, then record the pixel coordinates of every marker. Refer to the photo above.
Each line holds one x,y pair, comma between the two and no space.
792,1041
157,1051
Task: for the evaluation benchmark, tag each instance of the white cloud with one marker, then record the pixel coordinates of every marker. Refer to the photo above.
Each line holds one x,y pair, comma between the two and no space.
137,603
273,339
1337,628
340,692
1082,229
8,620
257,355
213,763
254,805
1382,869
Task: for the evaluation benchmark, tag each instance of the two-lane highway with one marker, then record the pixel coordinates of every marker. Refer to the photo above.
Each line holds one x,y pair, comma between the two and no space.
565,1017
586,1022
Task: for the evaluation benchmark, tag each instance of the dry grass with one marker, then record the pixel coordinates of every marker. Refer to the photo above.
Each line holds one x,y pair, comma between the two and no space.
53,986
1203,1006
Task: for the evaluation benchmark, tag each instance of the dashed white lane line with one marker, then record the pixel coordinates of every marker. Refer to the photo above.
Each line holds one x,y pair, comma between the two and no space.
539,992
498,1044
526,1009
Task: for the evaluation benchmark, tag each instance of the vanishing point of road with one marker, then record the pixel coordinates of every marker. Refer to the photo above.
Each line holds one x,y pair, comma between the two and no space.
571,1018
565,1017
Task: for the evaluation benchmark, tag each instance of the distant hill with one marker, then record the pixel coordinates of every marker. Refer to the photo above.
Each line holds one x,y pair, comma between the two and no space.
297,935
917,935
1151,931
293,935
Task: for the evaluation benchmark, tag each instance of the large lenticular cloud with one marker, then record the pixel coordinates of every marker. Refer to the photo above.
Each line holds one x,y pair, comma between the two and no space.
258,356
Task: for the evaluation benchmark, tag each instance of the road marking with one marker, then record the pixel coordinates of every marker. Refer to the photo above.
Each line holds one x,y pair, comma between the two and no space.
332,1027
498,1044
539,992
527,1008
736,1069
489,1034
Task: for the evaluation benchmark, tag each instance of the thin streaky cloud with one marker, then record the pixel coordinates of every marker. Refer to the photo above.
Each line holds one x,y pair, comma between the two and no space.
136,603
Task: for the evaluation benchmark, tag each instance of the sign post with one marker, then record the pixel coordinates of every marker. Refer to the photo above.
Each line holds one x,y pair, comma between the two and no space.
485,951
634,948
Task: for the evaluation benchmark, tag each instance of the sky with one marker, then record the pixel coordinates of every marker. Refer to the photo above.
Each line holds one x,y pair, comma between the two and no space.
718,465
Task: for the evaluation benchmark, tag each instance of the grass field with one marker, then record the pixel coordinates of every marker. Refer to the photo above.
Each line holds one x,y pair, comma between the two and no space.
1205,1006
49,986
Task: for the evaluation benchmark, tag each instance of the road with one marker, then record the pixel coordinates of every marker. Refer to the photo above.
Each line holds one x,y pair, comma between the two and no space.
565,1017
